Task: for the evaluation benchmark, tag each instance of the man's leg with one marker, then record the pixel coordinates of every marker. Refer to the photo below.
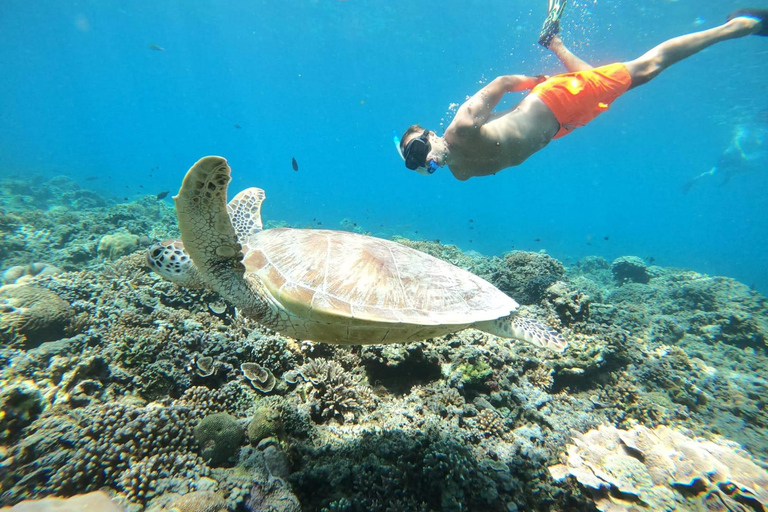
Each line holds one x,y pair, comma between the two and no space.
648,66
571,62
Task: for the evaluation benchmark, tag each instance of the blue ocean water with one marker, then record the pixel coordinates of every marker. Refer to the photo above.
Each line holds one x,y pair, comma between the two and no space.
130,94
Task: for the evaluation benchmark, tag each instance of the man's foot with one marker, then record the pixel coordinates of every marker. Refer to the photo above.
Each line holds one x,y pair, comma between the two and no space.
761,15
551,26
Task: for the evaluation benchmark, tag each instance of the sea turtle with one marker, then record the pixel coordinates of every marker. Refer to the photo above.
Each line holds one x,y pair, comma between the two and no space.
323,285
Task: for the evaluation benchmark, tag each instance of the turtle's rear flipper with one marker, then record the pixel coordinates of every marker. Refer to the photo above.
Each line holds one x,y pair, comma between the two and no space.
759,14
551,26
245,211
525,329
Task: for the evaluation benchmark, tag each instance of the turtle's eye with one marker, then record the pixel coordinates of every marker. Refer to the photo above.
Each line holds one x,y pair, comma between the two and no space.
157,253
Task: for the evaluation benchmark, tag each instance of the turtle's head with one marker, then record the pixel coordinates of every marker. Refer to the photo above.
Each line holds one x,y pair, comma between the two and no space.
169,259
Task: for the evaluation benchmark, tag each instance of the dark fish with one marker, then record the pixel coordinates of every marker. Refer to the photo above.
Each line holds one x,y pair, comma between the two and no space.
471,220
606,238
162,195
319,223
156,48
537,239
237,126
295,164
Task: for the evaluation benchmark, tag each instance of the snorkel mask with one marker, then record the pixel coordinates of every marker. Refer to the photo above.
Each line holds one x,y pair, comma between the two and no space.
416,152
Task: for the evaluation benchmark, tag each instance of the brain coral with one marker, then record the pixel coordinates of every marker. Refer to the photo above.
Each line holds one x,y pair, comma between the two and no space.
663,469
34,314
219,436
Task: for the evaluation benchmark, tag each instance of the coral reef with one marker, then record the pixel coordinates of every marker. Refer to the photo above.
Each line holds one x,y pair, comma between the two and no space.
663,469
112,397
134,450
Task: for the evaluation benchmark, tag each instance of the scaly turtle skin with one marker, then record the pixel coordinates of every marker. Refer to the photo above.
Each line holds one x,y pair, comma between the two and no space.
323,285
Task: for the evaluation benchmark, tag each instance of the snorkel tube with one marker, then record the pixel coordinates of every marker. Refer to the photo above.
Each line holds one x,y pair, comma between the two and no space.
431,167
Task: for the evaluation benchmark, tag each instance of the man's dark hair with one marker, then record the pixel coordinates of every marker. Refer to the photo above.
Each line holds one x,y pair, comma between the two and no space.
414,128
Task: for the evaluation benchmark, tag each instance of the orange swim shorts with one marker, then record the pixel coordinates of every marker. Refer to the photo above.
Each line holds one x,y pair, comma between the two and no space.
577,98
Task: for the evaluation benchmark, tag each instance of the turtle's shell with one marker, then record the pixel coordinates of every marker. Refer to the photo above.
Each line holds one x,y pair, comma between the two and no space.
340,279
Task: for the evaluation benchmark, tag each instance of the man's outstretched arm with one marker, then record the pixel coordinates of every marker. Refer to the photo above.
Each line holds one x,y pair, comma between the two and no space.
476,110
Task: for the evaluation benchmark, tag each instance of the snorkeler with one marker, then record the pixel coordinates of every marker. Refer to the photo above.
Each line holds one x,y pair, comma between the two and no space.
747,152
479,142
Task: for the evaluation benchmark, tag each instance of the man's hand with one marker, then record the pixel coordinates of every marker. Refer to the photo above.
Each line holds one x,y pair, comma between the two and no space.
523,83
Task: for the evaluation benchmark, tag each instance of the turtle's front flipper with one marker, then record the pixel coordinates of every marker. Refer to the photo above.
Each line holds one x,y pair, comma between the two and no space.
526,329
205,226
245,212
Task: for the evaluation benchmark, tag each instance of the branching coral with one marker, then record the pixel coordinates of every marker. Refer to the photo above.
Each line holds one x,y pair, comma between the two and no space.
331,391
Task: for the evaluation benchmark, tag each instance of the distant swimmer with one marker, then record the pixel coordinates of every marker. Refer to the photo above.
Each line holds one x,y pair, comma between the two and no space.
479,141
747,153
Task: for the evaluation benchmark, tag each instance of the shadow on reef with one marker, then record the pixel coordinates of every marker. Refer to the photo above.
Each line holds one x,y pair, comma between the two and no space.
113,379
424,471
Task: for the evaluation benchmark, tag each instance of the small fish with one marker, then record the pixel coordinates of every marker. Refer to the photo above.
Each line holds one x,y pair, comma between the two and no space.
162,195
295,164
91,178
237,126
156,48
537,239
319,223
606,238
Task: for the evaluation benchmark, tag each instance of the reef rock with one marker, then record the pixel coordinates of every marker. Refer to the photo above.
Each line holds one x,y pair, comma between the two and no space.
630,269
114,246
525,276
21,274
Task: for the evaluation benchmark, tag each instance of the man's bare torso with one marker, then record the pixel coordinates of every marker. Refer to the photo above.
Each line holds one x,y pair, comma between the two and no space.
506,139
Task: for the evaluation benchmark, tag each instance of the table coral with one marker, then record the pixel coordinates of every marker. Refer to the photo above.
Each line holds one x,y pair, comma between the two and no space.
33,314
663,469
